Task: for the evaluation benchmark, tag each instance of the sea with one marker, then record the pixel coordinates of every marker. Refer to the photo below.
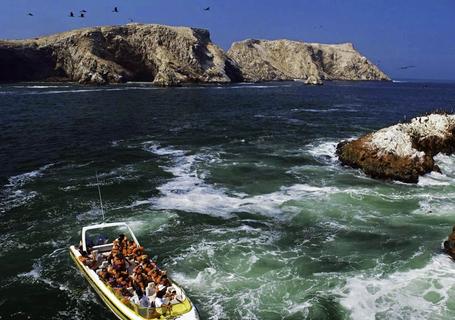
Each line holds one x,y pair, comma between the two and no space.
236,188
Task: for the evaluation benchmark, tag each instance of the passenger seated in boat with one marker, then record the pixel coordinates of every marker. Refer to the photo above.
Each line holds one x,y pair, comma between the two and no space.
152,275
171,296
140,299
144,259
119,263
138,251
86,259
138,269
123,281
165,281
159,297
130,249
139,281
103,274
147,266
119,240
126,294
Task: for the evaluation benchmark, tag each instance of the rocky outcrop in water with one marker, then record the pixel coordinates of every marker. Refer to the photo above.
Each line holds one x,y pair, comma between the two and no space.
403,151
263,60
160,54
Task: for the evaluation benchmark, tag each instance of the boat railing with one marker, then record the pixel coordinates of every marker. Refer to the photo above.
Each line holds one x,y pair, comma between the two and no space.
103,247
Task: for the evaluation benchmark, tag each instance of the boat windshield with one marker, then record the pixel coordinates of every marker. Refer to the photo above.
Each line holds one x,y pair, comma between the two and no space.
102,236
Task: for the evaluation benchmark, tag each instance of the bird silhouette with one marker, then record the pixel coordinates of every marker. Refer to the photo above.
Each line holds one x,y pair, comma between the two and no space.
71,14
206,9
407,67
30,14
82,15
115,9
84,11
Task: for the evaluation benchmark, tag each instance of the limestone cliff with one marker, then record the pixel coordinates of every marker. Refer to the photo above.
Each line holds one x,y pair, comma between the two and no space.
263,60
160,54
403,151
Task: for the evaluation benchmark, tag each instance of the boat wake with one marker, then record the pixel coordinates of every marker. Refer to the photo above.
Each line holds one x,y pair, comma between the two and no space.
188,191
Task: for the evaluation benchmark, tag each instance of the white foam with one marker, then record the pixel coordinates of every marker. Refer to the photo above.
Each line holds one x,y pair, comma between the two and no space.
187,191
447,165
415,294
434,179
325,150
22,179
12,194
41,87
85,90
329,110
37,275
247,87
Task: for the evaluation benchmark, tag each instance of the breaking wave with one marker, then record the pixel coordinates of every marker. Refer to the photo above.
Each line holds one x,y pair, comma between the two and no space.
415,294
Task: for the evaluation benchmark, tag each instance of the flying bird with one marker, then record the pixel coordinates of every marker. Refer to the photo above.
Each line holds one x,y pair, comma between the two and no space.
407,67
84,11
30,14
71,14
206,9
115,9
82,15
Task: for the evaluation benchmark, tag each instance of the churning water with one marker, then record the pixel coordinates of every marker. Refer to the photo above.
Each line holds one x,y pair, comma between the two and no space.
236,188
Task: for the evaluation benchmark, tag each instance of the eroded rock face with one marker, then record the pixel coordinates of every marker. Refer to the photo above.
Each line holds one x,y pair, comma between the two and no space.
166,55
263,60
160,54
403,151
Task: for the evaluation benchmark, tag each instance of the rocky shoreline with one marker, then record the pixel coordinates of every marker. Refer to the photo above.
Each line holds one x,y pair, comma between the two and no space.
166,56
403,151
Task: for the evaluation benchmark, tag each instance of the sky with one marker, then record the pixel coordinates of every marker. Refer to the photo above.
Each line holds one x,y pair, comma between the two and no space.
391,33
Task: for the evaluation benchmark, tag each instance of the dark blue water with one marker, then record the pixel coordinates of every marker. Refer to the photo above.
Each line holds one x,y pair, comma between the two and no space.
236,188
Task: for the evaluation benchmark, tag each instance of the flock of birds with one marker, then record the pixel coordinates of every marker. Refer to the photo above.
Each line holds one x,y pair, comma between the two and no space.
83,12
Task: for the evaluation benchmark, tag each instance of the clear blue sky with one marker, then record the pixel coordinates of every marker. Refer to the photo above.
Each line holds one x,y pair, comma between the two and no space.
391,33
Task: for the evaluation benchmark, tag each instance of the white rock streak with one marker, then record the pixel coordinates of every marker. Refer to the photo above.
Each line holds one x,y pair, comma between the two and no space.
398,139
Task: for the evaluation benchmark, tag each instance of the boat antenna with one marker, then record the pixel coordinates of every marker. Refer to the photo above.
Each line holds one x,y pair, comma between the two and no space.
99,193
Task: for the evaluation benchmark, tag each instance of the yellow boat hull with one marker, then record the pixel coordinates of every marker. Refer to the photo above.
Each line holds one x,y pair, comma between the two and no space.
183,311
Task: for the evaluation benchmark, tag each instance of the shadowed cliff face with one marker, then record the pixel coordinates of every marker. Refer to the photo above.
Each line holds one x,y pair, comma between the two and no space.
262,60
404,151
27,63
159,54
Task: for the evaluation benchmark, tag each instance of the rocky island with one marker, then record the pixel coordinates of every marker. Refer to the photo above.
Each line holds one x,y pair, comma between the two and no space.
165,55
262,60
403,151
160,54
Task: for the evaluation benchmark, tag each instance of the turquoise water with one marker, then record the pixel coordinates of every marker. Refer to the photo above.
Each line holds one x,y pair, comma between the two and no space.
236,188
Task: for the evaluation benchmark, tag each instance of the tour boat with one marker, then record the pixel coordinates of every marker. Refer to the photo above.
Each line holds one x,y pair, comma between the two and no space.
180,308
